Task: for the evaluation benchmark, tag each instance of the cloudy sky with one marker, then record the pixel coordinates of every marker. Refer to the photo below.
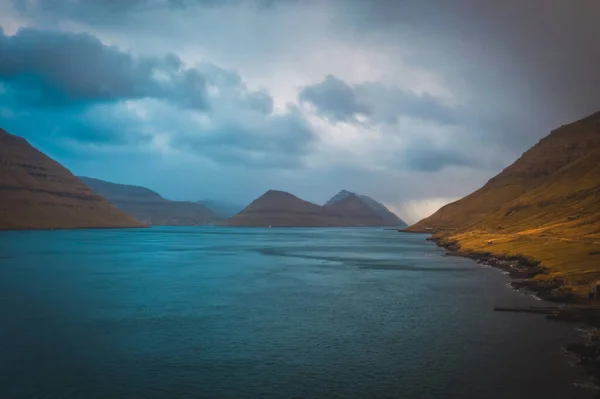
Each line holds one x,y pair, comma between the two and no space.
413,102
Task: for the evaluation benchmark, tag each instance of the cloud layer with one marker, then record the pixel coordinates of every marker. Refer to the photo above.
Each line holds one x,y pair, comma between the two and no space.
411,102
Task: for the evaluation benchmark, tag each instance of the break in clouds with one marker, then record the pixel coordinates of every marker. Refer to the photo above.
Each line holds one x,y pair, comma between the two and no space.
414,104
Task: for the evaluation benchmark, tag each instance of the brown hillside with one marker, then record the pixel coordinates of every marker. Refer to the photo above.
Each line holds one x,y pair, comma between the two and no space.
546,205
281,209
38,193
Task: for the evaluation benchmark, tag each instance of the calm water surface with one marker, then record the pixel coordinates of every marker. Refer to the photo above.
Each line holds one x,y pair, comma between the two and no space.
264,313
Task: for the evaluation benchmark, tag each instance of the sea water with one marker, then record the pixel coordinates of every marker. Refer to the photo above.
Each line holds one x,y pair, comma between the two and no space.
215,312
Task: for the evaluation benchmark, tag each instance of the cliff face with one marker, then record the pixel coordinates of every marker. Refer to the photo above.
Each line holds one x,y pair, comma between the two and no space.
281,209
546,205
149,207
38,193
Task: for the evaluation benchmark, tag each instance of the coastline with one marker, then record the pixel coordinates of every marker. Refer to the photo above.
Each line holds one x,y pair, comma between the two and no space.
569,308
521,269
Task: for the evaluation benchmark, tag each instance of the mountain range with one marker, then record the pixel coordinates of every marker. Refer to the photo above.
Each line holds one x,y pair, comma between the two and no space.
150,207
281,209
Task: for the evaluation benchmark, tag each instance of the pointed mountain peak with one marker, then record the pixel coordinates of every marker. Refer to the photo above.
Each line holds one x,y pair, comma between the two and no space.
340,196
41,194
278,199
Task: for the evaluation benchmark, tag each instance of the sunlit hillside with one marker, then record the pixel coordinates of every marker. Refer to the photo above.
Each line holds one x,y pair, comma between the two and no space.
546,206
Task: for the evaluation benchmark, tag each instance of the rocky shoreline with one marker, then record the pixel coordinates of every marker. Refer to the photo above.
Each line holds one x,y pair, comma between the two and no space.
570,308
520,268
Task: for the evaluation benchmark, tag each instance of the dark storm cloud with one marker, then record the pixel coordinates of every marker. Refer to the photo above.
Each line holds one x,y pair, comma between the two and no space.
536,59
109,12
56,68
338,101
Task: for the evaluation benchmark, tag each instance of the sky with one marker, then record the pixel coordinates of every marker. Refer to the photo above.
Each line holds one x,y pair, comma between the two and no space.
414,103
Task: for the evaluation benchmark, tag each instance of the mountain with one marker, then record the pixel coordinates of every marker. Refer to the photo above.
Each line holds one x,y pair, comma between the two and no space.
371,212
281,209
221,208
149,207
36,192
545,206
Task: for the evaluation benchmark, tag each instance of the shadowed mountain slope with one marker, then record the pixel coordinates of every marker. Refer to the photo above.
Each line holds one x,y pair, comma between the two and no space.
149,207
36,192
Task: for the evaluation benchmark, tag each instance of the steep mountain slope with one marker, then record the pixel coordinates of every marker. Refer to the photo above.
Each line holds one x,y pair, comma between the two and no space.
149,207
38,193
364,208
546,206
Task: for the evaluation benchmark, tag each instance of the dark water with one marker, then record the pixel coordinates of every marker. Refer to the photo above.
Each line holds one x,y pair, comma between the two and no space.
264,313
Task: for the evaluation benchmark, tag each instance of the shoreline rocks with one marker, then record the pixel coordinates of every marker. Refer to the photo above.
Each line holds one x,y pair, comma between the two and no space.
522,271
520,268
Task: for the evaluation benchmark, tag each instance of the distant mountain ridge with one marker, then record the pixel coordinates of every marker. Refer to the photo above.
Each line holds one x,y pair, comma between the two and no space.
37,192
150,207
222,209
281,209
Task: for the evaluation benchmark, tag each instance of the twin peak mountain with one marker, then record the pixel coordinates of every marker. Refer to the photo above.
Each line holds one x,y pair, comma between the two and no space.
282,209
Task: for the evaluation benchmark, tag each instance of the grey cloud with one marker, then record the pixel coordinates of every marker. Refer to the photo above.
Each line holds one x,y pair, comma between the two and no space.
432,159
110,12
338,101
232,89
259,141
101,124
62,87
519,68
334,99
53,68
535,60
260,101
64,68
271,141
